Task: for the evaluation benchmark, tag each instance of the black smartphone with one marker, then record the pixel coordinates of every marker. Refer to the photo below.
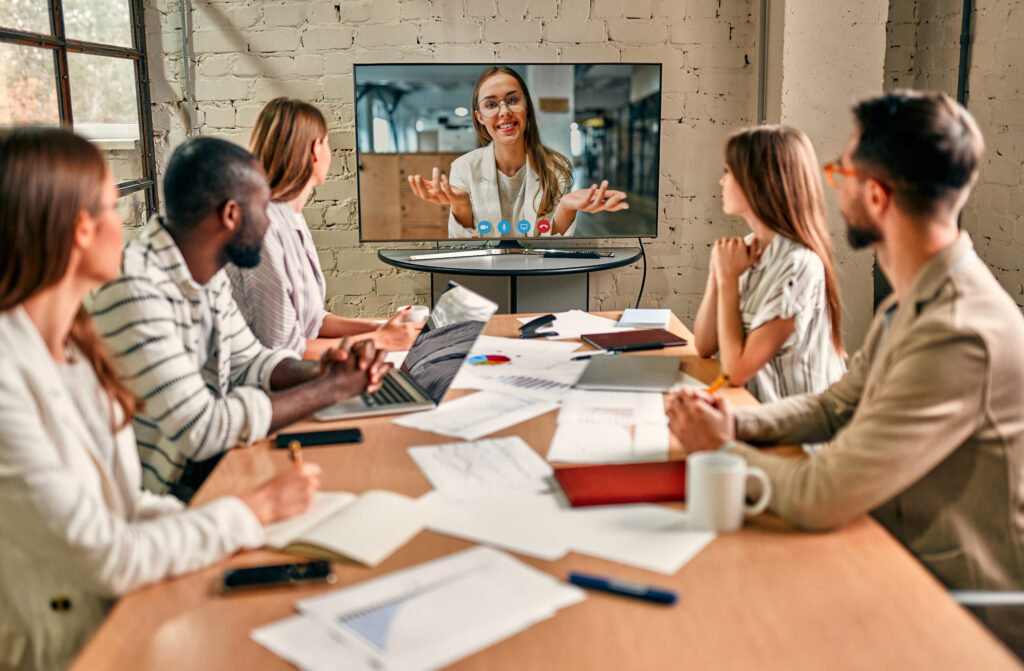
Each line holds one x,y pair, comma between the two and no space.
313,438
277,574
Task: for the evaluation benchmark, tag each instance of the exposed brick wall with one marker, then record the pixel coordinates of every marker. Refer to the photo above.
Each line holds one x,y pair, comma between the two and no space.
250,51
923,53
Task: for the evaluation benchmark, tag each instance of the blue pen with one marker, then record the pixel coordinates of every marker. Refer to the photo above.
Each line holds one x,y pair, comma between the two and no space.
623,587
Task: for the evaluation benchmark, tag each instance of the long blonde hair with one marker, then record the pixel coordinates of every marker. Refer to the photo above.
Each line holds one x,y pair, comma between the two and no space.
552,168
281,140
777,169
47,177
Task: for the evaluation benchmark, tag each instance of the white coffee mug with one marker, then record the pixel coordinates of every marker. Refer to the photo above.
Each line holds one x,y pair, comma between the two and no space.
416,313
716,487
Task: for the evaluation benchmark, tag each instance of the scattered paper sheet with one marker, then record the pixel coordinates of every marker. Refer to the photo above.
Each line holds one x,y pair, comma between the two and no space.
574,323
536,368
608,443
621,408
477,415
310,646
434,614
484,468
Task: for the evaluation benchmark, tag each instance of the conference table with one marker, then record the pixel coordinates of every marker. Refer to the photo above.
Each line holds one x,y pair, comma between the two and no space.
768,597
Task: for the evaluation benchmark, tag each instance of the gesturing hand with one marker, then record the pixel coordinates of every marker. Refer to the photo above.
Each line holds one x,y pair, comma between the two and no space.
396,335
731,257
700,421
595,199
438,190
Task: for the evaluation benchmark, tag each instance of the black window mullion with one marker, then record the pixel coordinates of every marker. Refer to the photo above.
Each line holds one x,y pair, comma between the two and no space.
60,56
145,106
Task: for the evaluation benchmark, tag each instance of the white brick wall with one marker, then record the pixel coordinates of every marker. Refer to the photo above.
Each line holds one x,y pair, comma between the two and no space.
923,53
248,51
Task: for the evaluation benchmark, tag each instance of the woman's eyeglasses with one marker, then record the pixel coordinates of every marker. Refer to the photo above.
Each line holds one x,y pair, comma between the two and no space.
491,107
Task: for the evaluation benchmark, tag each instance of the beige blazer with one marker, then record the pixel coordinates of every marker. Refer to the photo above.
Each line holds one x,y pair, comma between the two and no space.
75,534
926,430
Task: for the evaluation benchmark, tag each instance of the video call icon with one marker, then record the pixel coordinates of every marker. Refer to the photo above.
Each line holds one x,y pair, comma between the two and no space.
484,227
504,227
523,226
543,226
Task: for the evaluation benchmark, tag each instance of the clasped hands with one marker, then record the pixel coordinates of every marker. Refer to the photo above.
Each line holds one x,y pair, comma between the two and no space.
356,367
731,257
700,421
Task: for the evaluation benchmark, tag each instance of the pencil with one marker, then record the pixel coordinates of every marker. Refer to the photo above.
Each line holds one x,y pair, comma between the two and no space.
295,452
717,384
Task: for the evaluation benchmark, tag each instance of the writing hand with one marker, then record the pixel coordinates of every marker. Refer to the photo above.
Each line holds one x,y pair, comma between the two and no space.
286,495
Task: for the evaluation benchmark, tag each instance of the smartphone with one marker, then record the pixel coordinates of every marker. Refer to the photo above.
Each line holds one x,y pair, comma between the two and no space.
313,438
278,574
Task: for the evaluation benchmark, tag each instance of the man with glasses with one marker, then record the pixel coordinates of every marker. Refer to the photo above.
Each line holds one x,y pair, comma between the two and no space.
926,428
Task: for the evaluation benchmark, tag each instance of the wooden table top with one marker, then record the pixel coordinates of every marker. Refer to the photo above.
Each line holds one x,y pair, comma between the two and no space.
767,597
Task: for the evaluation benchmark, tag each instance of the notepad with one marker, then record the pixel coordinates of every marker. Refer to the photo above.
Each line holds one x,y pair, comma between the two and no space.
644,318
366,528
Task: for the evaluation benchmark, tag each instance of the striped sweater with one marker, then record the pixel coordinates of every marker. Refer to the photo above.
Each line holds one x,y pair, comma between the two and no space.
150,320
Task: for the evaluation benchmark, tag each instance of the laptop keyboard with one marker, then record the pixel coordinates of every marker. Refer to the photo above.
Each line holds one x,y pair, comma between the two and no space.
390,393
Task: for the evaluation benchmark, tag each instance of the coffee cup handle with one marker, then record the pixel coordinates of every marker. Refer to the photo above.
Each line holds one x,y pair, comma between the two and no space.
761,504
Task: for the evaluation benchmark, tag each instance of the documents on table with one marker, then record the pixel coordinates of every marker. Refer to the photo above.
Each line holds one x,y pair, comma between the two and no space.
645,318
605,427
366,528
574,323
535,368
477,415
485,468
310,646
424,617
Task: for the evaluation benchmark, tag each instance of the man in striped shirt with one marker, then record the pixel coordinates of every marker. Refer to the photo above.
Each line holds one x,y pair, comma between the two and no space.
181,344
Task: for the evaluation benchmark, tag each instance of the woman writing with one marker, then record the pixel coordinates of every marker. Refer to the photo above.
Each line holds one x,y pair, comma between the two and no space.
77,529
771,306
512,179
282,298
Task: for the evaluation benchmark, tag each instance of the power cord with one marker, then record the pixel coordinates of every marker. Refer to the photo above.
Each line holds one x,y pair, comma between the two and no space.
643,278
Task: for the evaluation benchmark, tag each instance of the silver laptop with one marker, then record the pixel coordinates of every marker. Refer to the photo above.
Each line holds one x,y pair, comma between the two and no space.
455,323
629,373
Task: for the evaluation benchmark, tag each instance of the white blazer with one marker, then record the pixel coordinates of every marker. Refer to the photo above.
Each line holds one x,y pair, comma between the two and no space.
476,172
73,533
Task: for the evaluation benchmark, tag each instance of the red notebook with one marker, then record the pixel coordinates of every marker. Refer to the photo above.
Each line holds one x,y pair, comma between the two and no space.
623,483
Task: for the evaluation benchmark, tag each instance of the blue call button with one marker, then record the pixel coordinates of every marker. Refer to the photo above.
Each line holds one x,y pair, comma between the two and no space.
504,227
523,226
484,227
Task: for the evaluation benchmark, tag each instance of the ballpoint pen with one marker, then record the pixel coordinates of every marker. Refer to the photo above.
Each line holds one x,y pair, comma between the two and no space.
589,355
295,452
623,588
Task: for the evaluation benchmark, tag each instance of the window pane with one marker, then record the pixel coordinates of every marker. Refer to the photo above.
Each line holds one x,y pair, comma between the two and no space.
30,15
28,85
132,210
105,109
104,21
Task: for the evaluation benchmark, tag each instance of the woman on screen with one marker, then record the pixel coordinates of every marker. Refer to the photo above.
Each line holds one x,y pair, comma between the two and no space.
77,529
282,298
771,306
512,181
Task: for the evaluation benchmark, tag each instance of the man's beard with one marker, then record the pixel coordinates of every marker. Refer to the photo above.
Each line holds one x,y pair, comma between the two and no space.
244,256
860,230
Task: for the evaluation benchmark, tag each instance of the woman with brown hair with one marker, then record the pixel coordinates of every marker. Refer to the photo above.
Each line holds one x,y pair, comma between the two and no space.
77,529
512,179
282,298
771,307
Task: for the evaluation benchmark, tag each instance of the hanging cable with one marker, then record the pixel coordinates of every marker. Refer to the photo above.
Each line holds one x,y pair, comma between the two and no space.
643,278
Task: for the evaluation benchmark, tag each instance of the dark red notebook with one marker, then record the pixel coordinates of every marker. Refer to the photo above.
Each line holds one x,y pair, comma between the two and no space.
634,337
623,483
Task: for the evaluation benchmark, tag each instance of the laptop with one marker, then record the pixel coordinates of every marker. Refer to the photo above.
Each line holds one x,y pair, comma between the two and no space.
433,361
612,372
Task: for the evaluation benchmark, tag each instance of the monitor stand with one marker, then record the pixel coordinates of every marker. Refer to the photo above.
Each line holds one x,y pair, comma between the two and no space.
508,246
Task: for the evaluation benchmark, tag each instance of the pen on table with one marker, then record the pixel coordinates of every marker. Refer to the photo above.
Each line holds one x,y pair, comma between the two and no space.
623,588
717,384
589,355
295,452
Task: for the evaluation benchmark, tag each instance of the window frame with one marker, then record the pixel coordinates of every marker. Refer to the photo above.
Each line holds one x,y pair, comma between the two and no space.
61,46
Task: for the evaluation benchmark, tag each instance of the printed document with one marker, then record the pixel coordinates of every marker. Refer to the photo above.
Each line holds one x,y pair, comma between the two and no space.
477,415
484,468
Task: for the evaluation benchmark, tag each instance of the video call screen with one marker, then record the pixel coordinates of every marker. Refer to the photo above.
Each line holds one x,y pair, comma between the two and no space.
516,160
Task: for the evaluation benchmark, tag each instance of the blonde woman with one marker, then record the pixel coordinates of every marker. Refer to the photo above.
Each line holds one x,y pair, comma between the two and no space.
512,179
282,298
771,307
77,529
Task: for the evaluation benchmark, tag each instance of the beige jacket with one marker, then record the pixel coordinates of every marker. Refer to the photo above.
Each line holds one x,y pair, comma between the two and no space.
926,431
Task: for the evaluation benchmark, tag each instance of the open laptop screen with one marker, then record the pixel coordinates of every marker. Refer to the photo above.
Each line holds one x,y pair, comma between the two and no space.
454,324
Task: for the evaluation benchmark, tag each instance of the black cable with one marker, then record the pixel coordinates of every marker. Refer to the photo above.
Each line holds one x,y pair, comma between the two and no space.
643,278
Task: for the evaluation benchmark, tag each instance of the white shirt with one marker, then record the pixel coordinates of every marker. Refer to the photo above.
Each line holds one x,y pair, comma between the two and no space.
477,173
789,281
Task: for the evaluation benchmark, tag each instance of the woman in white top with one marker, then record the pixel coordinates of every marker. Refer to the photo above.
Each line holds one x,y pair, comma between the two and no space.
282,298
512,181
76,528
771,306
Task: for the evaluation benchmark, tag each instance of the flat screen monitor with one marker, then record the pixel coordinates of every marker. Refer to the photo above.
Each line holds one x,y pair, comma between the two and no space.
510,151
